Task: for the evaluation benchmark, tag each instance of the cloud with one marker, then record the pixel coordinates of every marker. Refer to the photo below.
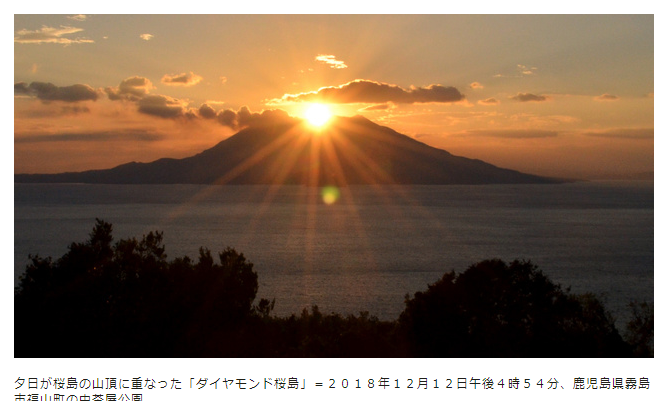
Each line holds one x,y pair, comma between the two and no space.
48,92
74,110
206,111
91,136
512,133
132,88
554,119
606,98
51,112
78,17
377,107
524,70
529,97
146,36
49,35
162,106
624,133
363,91
476,85
331,61
136,89
228,118
184,79
245,118
489,102
21,88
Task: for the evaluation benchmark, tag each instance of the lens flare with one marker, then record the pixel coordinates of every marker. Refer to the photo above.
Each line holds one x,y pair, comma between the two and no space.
330,195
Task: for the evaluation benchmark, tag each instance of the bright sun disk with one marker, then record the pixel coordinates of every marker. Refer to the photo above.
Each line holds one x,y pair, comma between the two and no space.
318,114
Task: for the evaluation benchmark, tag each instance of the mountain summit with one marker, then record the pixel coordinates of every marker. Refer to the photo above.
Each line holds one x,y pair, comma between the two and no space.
348,150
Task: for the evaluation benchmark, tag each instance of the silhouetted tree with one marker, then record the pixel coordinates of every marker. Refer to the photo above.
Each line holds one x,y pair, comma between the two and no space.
127,299
494,309
314,334
640,329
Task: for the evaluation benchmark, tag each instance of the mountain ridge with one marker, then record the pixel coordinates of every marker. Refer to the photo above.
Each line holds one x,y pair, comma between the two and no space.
286,151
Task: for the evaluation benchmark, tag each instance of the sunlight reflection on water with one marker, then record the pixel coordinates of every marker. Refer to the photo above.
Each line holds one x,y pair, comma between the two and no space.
371,245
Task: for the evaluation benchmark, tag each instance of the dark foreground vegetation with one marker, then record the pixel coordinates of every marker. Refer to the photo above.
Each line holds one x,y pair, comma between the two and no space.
125,299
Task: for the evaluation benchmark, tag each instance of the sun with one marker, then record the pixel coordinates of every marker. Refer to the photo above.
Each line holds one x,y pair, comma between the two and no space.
318,114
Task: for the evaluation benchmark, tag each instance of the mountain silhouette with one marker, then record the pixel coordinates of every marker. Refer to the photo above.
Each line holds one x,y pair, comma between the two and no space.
348,150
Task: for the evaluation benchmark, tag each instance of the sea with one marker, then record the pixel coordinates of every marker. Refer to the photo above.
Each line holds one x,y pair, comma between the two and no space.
363,248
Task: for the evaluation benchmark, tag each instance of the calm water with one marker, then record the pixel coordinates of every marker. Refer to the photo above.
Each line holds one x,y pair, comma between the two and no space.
374,244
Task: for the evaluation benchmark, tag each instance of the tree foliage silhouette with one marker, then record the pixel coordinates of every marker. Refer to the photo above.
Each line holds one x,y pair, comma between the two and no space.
126,299
494,309
640,329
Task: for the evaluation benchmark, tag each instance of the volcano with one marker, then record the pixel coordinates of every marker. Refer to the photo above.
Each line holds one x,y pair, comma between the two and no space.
288,151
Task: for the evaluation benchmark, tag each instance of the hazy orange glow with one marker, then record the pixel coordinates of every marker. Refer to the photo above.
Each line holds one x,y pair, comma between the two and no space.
528,111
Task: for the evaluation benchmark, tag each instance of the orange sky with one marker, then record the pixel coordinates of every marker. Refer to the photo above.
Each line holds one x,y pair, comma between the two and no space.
569,96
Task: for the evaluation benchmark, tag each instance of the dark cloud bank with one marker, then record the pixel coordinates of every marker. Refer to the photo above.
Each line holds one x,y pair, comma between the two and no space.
48,92
363,91
145,135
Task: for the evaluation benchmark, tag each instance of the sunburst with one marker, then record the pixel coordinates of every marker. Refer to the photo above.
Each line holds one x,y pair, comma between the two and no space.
318,114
